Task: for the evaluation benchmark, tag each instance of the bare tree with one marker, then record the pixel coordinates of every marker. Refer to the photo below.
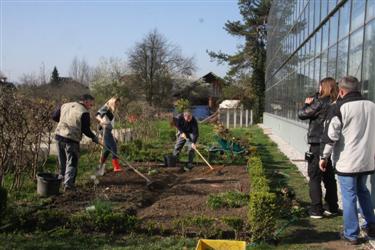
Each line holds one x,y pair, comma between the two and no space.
42,74
80,71
30,79
156,63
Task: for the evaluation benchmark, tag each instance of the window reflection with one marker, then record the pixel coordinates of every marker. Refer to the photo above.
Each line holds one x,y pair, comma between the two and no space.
344,20
334,23
369,62
335,49
358,13
370,10
355,54
342,58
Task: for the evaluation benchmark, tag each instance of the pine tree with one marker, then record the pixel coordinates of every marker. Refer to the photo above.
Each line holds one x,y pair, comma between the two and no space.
55,78
251,57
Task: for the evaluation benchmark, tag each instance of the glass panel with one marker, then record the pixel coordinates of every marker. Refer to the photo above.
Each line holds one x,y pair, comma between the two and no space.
324,64
325,36
311,17
317,70
333,27
324,9
332,56
342,58
369,62
318,42
344,20
331,5
317,13
370,9
355,54
358,13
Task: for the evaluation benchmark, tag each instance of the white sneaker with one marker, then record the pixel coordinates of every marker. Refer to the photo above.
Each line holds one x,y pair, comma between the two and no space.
100,171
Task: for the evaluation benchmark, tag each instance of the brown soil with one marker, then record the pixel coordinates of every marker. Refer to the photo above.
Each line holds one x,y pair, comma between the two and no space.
182,194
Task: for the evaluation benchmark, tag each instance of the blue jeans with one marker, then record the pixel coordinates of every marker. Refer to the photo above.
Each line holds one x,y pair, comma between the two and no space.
353,187
109,142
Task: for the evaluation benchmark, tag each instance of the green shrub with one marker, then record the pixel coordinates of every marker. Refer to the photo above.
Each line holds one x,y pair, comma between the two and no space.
49,219
231,199
102,219
204,225
181,225
262,215
181,105
235,223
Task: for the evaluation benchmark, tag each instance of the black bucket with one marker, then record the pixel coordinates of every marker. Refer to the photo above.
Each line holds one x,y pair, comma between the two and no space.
170,160
48,184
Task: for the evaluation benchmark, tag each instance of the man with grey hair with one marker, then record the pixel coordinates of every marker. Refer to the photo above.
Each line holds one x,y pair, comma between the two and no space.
349,135
187,127
73,119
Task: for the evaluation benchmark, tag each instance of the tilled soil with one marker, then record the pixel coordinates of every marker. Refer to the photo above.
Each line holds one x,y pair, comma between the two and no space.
182,194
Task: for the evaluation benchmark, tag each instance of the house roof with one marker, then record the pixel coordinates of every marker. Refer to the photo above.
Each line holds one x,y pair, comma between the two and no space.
211,77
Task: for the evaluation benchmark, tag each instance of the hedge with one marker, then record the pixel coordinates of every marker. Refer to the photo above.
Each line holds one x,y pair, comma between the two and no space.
262,214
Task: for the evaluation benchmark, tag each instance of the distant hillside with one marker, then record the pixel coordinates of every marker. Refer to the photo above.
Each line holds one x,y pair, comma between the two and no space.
61,91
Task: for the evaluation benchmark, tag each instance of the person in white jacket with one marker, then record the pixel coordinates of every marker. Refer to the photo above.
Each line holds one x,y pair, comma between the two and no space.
349,136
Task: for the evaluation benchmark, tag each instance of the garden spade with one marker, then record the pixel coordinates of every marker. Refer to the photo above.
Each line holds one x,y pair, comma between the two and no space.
208,164
152,185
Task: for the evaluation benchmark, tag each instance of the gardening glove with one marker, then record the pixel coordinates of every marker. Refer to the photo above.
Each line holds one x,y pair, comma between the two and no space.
193,146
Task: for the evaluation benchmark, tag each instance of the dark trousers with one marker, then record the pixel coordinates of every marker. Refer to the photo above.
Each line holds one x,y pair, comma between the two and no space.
316,177
68,155
178,147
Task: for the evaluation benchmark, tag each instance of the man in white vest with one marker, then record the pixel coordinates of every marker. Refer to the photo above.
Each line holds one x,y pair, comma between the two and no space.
349,138
73,119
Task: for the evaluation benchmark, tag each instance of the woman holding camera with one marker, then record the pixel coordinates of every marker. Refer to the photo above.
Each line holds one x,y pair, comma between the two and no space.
315,109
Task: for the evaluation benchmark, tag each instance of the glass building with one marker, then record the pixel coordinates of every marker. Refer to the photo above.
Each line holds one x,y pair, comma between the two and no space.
307,41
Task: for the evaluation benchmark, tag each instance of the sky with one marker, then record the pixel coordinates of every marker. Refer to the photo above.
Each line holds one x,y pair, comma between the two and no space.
53,32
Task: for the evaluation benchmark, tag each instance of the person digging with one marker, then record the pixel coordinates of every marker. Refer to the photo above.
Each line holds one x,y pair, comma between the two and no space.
187,127
73,120
105,117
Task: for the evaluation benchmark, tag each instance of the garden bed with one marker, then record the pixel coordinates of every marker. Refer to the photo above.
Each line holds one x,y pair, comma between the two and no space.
184,196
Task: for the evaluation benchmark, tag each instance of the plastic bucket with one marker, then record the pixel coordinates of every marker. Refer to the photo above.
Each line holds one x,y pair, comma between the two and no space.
47,184
204,244
170,160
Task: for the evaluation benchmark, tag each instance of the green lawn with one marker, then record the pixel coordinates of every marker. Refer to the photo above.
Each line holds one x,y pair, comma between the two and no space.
304,231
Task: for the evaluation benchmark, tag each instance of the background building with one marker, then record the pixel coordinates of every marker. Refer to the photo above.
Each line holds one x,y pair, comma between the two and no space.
309,40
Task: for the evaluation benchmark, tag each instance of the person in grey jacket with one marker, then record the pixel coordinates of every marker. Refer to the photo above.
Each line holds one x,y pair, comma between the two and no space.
315,110
349,138
73,119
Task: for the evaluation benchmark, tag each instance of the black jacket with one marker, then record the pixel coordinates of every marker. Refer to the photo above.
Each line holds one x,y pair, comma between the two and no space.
316,112
189,128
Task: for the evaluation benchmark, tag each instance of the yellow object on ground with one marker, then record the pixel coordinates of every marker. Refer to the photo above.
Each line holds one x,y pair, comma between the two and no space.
221,245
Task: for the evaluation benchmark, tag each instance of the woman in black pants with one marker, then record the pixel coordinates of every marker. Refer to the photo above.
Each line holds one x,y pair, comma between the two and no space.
315,109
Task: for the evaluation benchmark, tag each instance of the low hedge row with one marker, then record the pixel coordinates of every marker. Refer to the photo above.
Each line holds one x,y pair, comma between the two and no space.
262,207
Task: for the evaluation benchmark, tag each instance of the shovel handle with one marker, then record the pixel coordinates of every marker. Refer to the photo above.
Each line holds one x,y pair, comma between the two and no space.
208,164
126,162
